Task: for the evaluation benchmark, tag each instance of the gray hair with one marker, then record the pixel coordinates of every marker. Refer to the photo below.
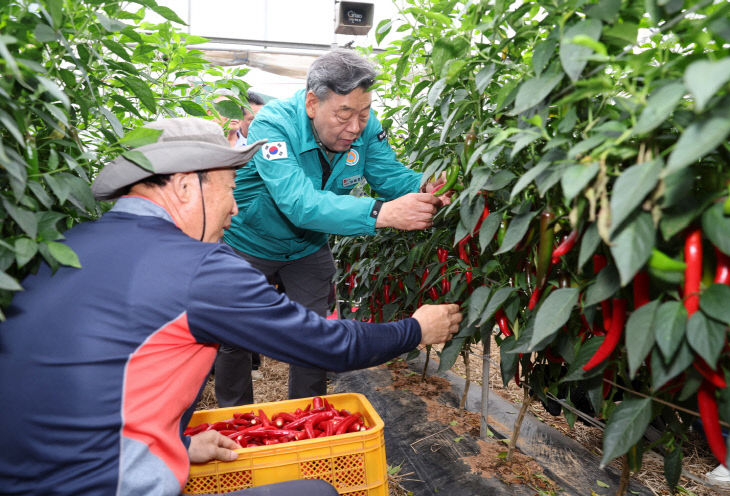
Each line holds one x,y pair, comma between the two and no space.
340,71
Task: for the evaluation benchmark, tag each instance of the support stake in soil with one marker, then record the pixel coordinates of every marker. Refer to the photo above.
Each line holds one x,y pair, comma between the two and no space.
465,355
483,427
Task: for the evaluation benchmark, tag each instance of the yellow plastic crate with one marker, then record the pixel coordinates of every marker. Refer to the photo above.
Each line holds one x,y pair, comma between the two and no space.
354,463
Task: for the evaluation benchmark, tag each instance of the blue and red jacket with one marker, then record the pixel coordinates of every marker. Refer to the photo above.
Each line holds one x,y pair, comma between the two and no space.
98,365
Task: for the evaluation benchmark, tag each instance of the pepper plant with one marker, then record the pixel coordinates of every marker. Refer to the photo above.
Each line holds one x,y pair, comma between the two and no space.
591,220
77,76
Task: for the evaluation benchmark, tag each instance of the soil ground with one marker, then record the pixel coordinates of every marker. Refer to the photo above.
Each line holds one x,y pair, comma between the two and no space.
272,386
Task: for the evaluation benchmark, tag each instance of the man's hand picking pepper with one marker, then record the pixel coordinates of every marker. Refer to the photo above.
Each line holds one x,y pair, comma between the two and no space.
438,322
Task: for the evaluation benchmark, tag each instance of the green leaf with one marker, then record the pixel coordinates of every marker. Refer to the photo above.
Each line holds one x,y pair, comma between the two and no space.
382,30
704,78
192,108
54,90
111,25
25,250
526,178
605,10
484,77
515,231
139,159
575,57
450,353
639,335
673,467
625,427
44,33
716,226
488,230
606,285
113,121
542,54
228,108
669,324
167,13
588,42
117,49
63,254
589,244
576,177
495,302
554,313
477,300
434,93
142,91
534,91
661,373
140,137
714,302
631,188
25,219
706,337
585,353
659,107
699,139
9,283
632,245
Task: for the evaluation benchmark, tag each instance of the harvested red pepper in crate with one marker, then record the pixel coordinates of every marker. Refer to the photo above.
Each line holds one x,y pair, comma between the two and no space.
347,448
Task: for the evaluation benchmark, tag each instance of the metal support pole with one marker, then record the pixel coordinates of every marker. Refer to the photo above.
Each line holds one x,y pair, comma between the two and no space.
483,427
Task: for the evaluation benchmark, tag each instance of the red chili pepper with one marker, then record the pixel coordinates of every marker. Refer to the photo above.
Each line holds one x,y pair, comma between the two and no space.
722,272
613,336
433,294
345,424
641,289
423,283
317,403
534,298
566,244
608,374
485,214
191,431
503,322
463,255
517,375
709,414
599,262
386,293
693,272
443,255
713,376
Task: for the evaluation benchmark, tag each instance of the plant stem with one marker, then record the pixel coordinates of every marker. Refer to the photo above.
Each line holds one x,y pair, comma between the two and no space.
526,400
425,365
624,481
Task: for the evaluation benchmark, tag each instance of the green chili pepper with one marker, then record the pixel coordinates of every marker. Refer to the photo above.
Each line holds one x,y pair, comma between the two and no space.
470,140
545,246
663,262
451,176
501,231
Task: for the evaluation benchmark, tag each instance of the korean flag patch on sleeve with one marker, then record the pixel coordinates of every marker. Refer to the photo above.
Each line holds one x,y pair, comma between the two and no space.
272,151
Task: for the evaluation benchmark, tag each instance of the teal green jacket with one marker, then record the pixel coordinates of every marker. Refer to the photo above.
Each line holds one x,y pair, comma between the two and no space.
285,212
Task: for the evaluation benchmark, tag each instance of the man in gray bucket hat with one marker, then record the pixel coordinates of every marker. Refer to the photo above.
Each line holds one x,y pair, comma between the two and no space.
100,367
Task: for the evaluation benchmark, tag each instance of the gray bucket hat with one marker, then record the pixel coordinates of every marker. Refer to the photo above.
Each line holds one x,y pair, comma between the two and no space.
186,144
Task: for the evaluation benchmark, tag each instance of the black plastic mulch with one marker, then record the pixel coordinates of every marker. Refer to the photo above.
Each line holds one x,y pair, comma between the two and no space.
433,454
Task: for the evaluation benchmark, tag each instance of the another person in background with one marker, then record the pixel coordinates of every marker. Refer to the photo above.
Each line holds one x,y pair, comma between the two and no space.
322,142
233,384
100,366
238,129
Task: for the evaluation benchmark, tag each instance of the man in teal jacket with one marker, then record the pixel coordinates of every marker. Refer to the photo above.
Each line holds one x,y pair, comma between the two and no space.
322,142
